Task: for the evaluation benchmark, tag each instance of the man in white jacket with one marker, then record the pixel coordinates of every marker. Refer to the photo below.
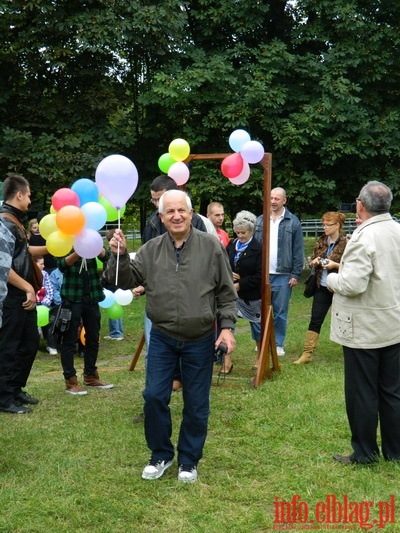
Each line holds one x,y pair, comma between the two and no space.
365,320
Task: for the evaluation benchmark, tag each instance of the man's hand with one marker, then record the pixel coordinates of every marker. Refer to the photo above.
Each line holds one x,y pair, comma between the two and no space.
118,242
138,291
293,282
30,302
226,336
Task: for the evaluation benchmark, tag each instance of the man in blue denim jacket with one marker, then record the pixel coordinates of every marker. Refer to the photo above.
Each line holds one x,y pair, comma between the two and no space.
286,260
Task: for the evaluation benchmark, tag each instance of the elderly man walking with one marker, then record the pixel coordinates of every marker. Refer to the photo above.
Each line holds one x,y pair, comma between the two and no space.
189,287
365,320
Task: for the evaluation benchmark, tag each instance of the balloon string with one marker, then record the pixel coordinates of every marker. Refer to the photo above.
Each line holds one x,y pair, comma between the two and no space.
83,265
119,227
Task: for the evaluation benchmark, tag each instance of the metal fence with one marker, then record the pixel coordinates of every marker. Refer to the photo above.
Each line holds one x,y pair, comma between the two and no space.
312,227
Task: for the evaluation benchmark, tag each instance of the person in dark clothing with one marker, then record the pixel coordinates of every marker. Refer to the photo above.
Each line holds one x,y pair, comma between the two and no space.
19,336
81,291
245,258
36,239
155,227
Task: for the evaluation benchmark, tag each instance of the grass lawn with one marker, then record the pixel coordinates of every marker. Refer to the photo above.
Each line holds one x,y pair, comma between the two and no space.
75,463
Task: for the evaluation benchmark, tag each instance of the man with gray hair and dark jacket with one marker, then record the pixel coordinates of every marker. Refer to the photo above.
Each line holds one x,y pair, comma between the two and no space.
188,283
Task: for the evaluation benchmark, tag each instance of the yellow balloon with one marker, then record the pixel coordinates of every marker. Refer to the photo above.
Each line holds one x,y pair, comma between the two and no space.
59,244
179,149
52,210
47,225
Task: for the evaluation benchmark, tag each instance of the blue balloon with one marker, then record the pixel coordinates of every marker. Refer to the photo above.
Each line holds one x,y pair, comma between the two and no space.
87,190
109,299
95,214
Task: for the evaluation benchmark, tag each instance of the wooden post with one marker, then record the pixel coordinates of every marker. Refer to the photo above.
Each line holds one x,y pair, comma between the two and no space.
268,345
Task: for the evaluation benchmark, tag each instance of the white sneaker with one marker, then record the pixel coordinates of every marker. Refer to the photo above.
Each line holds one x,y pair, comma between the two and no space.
187,473
155,468
280,351
52,351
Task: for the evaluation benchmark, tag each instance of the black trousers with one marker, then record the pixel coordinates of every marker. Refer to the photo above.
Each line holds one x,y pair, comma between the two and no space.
91,319
322,300
19,343
372,393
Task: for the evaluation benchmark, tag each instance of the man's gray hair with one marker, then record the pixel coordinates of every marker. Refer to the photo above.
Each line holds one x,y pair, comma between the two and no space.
174,192
245,220
376,197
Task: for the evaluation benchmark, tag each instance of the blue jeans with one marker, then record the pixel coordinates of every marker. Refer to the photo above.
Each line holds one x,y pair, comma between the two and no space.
115,327
280,296
197,359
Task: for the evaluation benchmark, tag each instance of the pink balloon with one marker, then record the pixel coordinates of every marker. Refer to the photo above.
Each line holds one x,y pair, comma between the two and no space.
64,197
179,172
117,179
232,165
252,152
88,243
243,176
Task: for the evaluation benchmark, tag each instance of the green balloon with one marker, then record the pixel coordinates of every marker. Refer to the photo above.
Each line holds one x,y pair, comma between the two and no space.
43,317
115,311
112,213
165,161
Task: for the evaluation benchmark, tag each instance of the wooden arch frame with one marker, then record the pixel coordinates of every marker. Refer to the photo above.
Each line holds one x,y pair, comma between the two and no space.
268,360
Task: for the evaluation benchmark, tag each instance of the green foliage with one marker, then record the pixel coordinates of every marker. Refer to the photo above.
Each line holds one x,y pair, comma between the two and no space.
317,82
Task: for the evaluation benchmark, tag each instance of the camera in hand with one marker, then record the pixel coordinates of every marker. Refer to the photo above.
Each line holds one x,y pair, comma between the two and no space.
324,262
219,353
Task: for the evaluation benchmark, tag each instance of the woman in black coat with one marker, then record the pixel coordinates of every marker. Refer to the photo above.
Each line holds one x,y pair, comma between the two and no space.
245,257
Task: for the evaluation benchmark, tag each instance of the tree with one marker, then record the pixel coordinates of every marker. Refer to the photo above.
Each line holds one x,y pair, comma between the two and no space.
316,81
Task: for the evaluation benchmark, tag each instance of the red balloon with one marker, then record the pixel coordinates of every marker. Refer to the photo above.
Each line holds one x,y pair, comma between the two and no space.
64,197
232,165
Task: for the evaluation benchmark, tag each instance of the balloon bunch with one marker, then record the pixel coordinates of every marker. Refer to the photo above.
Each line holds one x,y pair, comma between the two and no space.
74,221
114,302
236,166
171,162
78,213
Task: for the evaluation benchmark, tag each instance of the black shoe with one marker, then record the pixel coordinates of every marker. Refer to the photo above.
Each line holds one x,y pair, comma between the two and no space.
25,398
344,459
138,418
16,408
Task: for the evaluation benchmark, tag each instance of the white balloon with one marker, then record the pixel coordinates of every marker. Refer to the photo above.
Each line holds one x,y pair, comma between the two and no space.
252,152
123,297
179,172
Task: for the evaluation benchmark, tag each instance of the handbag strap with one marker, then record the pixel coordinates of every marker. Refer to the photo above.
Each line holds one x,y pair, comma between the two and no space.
14,219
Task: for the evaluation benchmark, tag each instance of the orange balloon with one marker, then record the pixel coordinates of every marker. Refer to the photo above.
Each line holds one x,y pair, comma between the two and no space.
82,337
70,220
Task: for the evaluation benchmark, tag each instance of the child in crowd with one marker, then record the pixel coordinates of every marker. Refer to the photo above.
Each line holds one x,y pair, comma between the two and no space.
44,296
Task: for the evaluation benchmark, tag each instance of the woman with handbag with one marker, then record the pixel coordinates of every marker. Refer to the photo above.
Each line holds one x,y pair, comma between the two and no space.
328,251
